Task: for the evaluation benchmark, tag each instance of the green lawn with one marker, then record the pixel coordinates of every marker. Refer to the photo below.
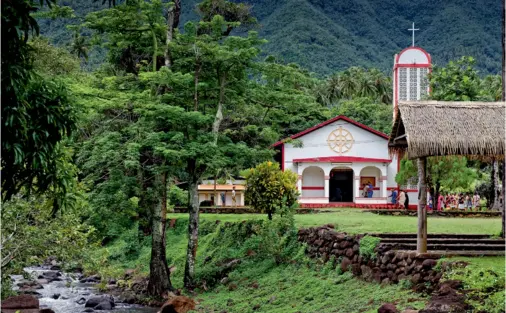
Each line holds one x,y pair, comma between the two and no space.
357,221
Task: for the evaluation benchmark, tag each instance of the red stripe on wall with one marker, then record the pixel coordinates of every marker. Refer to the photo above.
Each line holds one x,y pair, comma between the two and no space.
313,187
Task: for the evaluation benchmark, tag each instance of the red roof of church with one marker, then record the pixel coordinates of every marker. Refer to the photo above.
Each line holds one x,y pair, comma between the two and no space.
341,159
339,117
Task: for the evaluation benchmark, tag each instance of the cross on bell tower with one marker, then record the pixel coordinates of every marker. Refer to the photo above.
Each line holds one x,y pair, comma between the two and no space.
413,29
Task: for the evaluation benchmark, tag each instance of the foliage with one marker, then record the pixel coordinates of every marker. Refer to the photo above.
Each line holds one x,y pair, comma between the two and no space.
36,113
449,174
484,278
457,81
268,188
52,60
177,196
140,22
363,110
367,246
355,82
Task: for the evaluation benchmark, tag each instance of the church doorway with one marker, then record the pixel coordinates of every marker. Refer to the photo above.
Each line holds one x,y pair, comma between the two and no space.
341,185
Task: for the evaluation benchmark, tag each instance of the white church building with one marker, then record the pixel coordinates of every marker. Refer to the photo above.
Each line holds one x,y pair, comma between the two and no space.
334,159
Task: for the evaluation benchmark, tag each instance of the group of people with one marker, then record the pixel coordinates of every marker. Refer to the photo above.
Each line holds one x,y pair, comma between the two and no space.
462,201
402,199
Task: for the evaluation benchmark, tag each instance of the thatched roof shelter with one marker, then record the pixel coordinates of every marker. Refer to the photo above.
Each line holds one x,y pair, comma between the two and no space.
437,128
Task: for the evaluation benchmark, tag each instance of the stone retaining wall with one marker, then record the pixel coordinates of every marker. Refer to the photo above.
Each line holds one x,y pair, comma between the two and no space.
388,266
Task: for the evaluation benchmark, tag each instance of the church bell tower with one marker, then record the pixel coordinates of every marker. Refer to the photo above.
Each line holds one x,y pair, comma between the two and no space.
411,68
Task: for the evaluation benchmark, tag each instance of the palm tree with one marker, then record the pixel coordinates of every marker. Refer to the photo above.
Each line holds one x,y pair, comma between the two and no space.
348,84
79,46
383,86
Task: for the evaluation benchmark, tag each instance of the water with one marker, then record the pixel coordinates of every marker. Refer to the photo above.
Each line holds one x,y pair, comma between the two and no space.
71,290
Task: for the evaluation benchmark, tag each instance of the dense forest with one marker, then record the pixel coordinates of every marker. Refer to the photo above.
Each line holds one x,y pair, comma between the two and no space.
328,36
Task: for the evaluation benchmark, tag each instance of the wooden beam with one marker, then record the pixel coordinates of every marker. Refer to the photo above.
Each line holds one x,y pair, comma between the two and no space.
421,238
400,137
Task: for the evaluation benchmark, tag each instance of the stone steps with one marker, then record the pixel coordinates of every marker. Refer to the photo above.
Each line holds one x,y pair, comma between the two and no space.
446,244
473,253
413,235
445,240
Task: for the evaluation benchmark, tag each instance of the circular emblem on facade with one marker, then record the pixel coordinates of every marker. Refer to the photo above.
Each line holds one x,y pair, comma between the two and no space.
340,140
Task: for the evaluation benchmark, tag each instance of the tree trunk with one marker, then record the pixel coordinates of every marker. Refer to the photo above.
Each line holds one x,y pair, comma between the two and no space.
219,112
155,48
159,274
421,240
193,232
170,35
172,22
215,193
196,76
503,206
496,206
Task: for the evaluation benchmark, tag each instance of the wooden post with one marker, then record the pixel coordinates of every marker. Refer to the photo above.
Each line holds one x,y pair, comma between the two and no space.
421,239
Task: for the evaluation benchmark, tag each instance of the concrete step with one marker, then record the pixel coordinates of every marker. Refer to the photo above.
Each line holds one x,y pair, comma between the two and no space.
446,240
413,235
471,253
445,246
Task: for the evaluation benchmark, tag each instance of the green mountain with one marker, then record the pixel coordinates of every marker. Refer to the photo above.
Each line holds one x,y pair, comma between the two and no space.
329,35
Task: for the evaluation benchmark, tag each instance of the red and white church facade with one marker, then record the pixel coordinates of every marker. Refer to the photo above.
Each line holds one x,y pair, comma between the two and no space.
335,158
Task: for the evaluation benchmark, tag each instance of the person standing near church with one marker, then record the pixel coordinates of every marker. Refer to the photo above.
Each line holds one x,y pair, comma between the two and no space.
394,196
223,197
370,190
365,191
440,202
234,202
402,198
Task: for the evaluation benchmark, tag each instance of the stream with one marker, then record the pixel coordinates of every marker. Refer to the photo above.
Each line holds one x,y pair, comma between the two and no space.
70,291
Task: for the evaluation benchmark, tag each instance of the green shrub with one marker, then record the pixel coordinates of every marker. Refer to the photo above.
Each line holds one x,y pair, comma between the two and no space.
367,246
268,188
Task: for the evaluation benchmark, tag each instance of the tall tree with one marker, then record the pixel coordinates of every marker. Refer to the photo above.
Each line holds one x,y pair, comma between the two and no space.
36,112
133,32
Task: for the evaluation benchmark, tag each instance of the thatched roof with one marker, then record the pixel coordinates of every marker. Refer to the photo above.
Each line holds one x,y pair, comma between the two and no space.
436,128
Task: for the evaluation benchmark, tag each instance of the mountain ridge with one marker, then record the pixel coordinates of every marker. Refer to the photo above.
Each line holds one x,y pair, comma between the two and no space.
328,36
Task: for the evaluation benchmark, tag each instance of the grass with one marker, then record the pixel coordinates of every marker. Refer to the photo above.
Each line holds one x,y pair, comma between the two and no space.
355,221
292,288
484,277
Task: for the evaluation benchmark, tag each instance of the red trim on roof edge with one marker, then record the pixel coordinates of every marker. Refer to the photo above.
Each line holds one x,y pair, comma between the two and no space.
341,159
339,117
413,48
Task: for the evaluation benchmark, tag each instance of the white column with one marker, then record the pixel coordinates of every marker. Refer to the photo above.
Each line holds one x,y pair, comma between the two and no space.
241,197
357,186
327,187
384,186
299,185
299,179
